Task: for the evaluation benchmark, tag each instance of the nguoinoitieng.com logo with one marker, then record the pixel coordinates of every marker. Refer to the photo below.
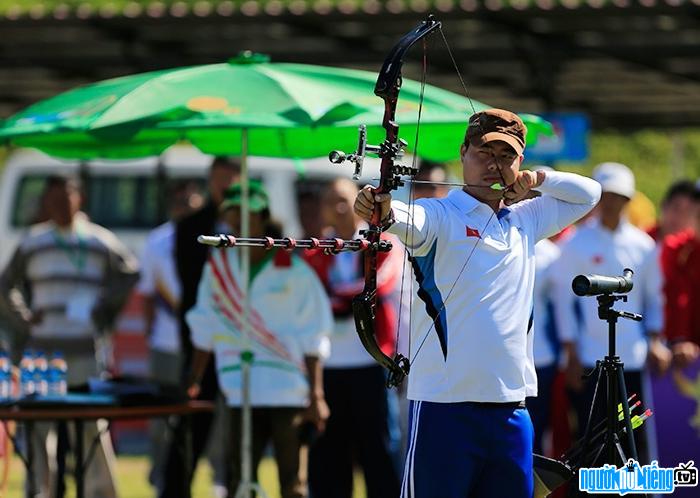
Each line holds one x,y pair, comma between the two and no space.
633,478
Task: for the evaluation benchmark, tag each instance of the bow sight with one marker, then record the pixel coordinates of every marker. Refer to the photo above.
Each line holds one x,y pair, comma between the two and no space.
393,150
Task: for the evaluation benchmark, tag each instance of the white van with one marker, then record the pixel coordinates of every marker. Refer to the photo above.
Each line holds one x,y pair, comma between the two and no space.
127,198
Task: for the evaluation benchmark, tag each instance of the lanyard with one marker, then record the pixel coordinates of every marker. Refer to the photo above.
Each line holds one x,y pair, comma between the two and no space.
76,255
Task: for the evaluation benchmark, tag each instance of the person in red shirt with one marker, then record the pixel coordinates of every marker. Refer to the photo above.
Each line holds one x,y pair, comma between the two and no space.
680,262
362,427
676,211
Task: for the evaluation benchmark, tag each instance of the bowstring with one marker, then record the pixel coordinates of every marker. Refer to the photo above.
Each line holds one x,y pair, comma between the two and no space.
459,73
424,76
482,231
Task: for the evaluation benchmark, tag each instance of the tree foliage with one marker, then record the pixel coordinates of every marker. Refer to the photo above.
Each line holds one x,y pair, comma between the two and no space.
657,157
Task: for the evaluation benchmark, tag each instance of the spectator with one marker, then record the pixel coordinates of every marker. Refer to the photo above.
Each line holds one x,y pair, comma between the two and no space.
359,425
436,175
545,346
606,245
290,320
641,212
160,289
309,205
677,209
190,258
65,284
680,260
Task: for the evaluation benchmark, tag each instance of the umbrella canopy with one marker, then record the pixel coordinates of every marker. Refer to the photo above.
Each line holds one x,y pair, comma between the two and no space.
287,110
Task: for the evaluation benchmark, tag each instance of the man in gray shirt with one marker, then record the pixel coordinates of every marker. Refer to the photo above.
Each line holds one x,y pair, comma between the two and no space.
63,287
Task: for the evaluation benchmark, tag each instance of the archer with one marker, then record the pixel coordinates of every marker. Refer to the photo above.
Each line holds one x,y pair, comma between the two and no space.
469,431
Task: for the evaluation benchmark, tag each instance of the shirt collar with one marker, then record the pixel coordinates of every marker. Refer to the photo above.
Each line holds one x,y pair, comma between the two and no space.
622,226
462,200
466,203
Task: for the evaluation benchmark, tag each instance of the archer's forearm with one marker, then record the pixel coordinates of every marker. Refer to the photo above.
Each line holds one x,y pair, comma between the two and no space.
410,224
570,187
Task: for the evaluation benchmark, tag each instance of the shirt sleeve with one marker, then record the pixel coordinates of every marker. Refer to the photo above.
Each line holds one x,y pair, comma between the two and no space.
13,278
562,272
567,197
121,275
147,281
548,275
200,318
415,224
314,316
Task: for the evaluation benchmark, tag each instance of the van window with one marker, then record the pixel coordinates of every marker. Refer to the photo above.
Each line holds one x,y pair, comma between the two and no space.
26,210
115,202
123,201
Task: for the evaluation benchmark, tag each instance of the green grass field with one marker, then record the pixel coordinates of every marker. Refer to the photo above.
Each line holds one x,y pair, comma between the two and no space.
132,480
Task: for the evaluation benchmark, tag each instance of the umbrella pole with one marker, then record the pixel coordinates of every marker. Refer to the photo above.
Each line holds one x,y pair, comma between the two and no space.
246,484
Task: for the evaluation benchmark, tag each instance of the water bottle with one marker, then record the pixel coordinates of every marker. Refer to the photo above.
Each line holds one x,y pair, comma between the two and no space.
26,374
5,376
41,374
58,375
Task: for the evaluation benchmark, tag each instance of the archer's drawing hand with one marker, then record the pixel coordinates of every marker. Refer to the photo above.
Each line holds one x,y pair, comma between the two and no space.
366,200
524,182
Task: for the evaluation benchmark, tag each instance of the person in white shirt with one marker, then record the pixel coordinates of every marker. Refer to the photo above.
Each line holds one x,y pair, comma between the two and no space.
160,288
545,343
289,321
474,259
606,245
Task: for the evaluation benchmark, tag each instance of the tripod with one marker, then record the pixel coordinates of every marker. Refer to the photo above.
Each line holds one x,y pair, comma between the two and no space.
616,392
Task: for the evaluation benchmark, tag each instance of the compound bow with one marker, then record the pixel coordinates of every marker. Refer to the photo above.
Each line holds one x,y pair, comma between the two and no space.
392,176
392,148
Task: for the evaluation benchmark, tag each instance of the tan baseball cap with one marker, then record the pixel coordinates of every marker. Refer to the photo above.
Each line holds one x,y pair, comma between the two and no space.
497,124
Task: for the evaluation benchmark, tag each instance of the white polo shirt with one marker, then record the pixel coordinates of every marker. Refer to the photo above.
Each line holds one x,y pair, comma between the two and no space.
546,254
478,350
159,279
598,250
290,318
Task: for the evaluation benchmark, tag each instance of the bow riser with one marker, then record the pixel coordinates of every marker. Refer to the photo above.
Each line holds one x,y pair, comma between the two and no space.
364,305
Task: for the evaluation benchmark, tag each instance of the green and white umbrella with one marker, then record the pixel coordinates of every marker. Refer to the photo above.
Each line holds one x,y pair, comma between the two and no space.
285,110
